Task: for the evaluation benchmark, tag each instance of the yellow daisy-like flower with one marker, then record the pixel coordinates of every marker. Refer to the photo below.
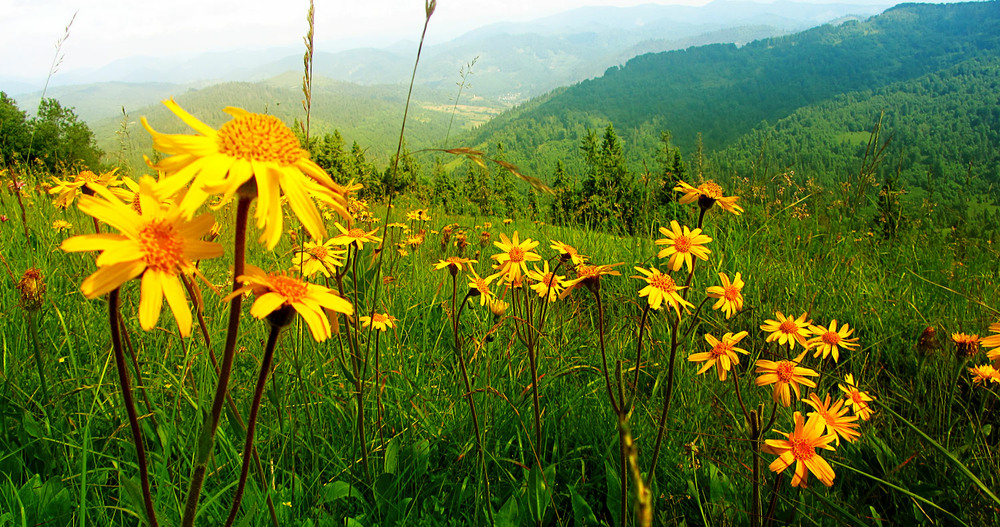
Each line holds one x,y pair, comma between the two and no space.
545,283
993,341
787,330
454,264
730,294
86,182
984,373
590,276
784,374
61,225
568,252
799,447
381,321
829,341
835,418
274,290
966,346
157,244
257,153
682,246
498,307
661,288
354,235
707,194
513,261
318,258
723,354
482,287
856,399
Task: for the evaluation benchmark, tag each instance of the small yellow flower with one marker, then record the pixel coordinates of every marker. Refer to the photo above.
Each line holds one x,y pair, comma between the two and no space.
829,341
61,225
318,258
799,447
722,355
546,284
454,264
513,261
661,288
787,330
966,346
784,374
835,418
856,399
355,236
568,252
381,321
589,276
984,373
730,294
707,194
86,182
682,246
482,287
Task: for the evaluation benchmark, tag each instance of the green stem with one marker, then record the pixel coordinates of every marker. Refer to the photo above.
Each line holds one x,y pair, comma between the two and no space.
248,446
207,439
39,361
666,399
133,419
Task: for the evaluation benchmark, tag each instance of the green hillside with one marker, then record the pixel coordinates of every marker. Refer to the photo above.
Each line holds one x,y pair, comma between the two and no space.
724,92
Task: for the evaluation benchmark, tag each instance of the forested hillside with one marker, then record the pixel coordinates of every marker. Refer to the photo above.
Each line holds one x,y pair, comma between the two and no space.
719,93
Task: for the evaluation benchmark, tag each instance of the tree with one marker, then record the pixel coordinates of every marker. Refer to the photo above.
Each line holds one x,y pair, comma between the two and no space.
15,132
60,141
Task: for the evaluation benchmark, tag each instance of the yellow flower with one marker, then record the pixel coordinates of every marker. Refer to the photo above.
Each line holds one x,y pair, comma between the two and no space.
454,264
513,261
61,225
498,307
418,215
984,373
546,284
69,190
590,276
835,418
257,153
275,290
788,330
157,244
799,447
318,258
729,294
707,194
682,245
856,399
355,235
829,341
966,346
482,287
784,374
568,252
723,354
661,288
508,221
993,341
381,321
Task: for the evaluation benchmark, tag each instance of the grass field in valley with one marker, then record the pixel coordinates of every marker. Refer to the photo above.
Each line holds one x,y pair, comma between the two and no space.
927,455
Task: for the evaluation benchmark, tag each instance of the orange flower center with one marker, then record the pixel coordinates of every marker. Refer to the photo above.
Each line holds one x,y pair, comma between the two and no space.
722,348
482,286
711,189
162,246
802,449
682,244
516,254
264,138
356,233
831,338
319,252
856,398
87,177
731,293
548,280
663,282
292,289
789,326
379,318
784,371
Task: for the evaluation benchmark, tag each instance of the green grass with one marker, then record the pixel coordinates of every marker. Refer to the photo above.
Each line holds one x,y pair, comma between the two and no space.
71,462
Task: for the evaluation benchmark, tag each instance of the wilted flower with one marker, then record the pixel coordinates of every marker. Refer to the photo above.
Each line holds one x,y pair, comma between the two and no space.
31,289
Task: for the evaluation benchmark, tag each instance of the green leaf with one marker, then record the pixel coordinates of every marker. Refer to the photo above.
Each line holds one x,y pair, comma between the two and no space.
339,490
392,456
583,515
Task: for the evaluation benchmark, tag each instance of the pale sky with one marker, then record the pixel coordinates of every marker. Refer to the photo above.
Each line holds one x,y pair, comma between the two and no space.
106,30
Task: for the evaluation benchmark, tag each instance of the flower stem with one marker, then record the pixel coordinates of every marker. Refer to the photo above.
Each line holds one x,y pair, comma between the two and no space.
207,439
39,361
668,393
133,419
248,446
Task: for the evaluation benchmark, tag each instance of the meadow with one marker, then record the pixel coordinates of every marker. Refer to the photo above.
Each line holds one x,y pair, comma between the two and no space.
243,340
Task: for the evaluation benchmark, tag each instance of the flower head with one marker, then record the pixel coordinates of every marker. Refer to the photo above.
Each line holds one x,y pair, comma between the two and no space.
316,257
835,418
276,290
589,276
799,447
568,252
253,154
784,374
707,194
454,264
966,346
513,261
984,373
86,182
61,225
31,289
381,321
722,355
856,399
829,341
546,284
661,288
355,236
787,329
481,287
157,244
730,294
683,244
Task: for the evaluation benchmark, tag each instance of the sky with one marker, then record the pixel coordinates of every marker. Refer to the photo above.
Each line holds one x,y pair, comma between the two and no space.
106,30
